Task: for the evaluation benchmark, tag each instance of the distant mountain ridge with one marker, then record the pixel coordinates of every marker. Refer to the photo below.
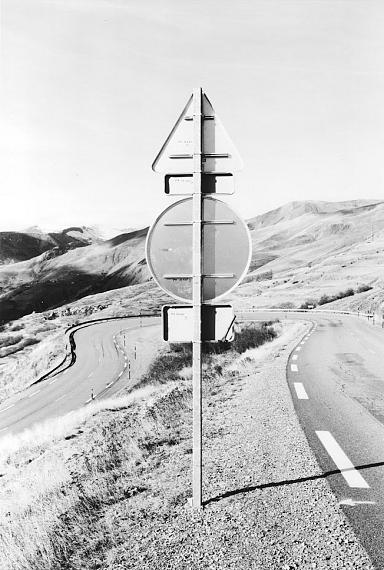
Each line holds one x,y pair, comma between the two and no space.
315,248
20,246
302,248
70,271
293,210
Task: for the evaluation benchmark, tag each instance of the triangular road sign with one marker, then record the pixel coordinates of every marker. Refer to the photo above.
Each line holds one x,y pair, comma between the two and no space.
219,152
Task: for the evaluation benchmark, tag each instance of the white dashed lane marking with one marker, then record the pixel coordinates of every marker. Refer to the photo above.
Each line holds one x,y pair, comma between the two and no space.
298,348
294,368
343,463
300,391
294,357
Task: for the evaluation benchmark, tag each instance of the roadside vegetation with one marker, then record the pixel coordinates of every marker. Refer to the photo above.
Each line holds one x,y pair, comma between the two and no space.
324,299
74,490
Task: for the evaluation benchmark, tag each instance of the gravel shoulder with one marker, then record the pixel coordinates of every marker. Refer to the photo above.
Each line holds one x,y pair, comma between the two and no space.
265,508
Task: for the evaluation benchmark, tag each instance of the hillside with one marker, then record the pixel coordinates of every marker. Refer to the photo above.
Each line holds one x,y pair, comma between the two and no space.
20,246
307,249
301,251
50,279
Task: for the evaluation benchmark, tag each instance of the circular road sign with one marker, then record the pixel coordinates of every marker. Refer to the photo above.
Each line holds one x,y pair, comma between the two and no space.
226,249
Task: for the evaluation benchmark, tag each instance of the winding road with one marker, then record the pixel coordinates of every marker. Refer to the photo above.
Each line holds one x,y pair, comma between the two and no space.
336,378
109,355
335,375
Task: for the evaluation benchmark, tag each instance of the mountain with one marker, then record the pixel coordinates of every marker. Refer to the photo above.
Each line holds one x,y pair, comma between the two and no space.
301,251
307,249
52,278
20,246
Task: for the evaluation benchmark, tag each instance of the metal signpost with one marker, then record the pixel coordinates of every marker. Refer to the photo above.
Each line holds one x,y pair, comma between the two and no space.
198,249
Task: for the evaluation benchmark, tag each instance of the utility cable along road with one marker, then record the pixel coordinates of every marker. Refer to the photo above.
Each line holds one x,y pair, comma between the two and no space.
336,378
105,362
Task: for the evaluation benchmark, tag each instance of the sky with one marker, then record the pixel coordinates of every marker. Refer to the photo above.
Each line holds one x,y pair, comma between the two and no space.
90,90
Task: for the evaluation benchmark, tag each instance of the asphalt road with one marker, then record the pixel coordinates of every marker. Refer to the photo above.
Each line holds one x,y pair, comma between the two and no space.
336,378
110,355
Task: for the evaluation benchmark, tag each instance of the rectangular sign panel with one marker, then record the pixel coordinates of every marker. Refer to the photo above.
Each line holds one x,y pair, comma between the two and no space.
182,184
217,323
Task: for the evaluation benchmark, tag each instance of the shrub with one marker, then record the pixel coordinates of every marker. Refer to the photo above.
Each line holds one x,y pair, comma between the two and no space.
348,292
253,336
167,366
324,299
363,288
9,340
309,304
16,327
30,341
286,305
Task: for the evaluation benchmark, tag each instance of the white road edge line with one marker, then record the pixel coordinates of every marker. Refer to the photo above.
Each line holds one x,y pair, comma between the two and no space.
3,429
343,463
7,408
33,393
109,384
294,368
300,391
295,357
60,397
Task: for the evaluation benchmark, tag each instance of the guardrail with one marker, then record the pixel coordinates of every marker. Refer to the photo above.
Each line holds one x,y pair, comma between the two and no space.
72,343
376,318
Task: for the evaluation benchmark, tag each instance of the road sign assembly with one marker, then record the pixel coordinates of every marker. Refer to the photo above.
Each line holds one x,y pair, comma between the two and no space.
198,249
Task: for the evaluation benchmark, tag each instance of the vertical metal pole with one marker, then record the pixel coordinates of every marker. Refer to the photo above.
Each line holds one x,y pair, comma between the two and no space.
196,301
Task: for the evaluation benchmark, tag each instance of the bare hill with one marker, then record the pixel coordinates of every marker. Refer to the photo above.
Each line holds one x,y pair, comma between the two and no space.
309,249
51,280
20,246
301,251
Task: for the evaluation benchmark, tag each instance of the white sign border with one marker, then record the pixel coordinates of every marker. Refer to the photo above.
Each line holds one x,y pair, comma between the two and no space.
214,299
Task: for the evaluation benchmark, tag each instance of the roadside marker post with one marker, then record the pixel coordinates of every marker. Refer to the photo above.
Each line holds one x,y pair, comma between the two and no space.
198,249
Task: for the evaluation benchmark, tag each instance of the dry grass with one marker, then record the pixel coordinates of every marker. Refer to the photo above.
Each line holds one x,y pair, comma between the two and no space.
62,481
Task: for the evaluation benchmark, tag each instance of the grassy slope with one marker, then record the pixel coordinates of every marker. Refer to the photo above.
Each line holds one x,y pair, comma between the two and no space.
315,248
301,250
64,483
50,280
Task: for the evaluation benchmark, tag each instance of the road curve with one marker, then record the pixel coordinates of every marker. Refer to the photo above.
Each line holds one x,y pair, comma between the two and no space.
109,355
336,378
